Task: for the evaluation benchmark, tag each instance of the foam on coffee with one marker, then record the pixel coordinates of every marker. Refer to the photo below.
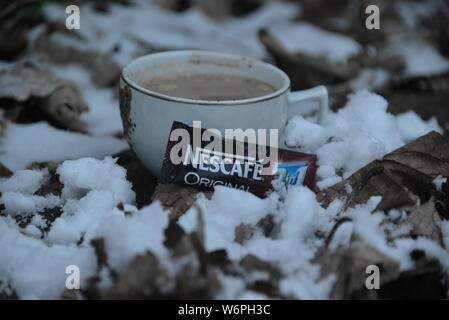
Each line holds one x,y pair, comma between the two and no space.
200,86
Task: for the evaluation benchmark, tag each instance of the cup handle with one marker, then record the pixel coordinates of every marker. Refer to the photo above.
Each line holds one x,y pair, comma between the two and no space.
319,94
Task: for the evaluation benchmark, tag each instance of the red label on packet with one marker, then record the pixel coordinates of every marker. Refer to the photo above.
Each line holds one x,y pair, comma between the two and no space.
198,165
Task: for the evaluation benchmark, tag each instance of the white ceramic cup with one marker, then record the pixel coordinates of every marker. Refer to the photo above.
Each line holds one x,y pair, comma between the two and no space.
148,115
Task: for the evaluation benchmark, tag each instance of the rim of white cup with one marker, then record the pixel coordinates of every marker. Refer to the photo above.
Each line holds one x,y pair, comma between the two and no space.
126,77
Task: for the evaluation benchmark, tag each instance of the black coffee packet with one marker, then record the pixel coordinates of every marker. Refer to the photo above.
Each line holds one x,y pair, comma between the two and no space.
202,158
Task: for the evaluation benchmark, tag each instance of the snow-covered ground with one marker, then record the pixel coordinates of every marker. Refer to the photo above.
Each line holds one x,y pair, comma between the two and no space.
94,184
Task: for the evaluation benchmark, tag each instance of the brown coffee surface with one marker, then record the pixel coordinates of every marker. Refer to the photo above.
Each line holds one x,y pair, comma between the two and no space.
208,86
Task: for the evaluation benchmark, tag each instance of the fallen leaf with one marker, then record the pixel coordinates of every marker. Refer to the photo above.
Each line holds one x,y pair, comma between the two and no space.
51,183
197,276
426,281
177,240
178,199
252,263
403,176
349,265
424,221
31,90
5,172
442,202
268,285
104,71
174,5
24,81
304,70
243,232
142,279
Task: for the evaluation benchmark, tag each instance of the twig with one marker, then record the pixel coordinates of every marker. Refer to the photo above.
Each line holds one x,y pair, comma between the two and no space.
360,185
334,230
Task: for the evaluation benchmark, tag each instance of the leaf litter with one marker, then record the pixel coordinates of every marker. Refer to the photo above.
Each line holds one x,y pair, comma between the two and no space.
30,90
132,238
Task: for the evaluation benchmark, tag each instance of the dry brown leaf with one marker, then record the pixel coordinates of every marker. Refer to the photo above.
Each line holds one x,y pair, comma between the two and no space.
426,281
142,279
146,278
173,5
243,232
24,81
191,284
305,70
442,202
5,172
104,71
349,265
424,221
402,177
252,263
197,277
176,198
177,240
269,285
51,183
32,90
220,10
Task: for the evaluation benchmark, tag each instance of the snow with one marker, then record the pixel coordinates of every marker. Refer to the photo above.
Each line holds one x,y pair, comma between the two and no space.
221,217
413,12
77,176
306,38
329,181
155,26
35,269
38,271
421,59
93,189
310,136
17,193
301,214
19,203
95,186
299,218
411,125
355,135
438,182
128,236
370,79
24,144
25,181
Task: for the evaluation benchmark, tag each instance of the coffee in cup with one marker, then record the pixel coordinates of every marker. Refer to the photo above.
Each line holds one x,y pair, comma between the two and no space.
203,86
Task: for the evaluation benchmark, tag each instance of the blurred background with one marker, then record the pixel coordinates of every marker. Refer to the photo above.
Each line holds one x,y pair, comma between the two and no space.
314,41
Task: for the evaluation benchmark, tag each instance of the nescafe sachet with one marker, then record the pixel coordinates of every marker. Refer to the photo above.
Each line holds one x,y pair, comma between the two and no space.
202,158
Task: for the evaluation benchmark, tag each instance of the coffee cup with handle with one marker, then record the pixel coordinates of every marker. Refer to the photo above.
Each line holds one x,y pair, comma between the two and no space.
147,115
